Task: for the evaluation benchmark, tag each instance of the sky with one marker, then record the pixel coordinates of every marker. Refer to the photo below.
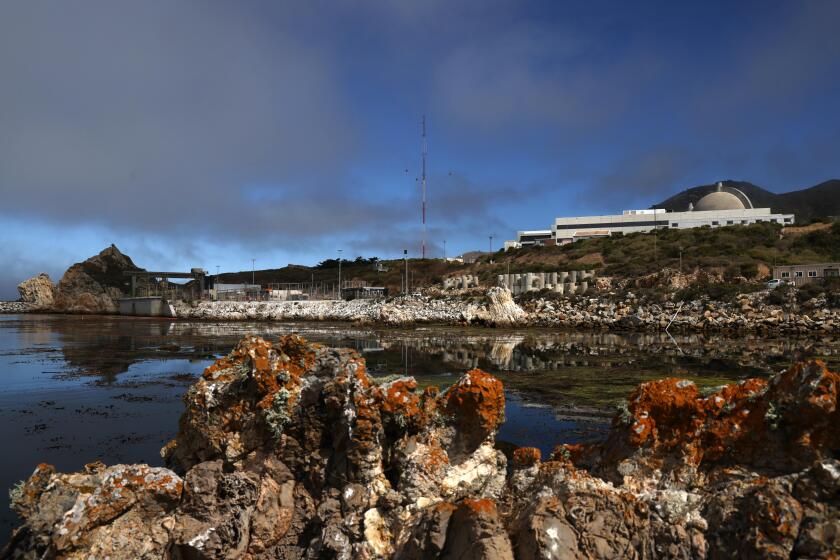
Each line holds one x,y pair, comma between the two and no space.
209,132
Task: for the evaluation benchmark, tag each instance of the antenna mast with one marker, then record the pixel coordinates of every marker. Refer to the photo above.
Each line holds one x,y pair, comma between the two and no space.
425,151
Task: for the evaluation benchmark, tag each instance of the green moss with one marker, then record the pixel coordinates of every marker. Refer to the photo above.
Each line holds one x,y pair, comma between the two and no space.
278,415
624,415
773,416
16,493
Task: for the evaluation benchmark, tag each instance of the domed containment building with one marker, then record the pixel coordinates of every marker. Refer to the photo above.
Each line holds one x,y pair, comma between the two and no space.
723,198
723,206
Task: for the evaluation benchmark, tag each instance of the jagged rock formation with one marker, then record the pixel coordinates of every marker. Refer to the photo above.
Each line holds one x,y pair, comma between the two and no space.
93,286
38,290
289,450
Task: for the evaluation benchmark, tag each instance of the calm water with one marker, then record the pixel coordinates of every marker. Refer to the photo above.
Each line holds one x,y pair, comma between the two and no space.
75,389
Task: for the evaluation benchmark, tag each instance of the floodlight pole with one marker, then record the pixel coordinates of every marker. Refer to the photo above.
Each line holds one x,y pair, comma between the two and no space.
339,274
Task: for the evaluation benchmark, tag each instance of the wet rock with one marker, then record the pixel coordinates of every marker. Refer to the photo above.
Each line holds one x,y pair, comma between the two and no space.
123,511
287,449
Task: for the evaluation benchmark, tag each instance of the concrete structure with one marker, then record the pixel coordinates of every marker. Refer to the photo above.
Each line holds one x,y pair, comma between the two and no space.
725,206
158,282
566,283
801,274
533,237
363,292
152,306
460,282
288,294
471,256
235,291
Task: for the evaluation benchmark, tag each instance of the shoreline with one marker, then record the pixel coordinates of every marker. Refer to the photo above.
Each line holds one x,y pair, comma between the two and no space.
290,449
498,310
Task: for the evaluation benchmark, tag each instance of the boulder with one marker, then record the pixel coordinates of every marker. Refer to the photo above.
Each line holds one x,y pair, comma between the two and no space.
38,290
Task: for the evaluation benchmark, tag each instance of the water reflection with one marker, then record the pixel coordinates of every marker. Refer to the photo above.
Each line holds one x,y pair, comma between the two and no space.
108,346
76,388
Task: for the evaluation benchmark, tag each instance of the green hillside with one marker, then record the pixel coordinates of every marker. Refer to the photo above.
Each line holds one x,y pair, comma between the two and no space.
739,250
749,251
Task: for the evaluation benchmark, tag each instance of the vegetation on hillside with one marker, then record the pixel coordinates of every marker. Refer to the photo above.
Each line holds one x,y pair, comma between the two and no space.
734,252
749,251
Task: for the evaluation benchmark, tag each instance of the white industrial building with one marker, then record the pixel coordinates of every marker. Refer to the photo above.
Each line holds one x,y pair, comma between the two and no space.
725,206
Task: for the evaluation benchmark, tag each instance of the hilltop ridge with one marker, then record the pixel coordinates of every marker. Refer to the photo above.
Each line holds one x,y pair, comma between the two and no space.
808,203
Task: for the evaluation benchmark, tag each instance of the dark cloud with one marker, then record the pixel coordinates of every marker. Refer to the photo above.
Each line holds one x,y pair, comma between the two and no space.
187,131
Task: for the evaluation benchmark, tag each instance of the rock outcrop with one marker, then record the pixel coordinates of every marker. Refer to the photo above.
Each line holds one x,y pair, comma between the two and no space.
38,291
290,450
93,286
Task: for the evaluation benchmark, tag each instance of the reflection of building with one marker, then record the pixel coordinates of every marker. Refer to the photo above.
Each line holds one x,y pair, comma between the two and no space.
725,206
805,273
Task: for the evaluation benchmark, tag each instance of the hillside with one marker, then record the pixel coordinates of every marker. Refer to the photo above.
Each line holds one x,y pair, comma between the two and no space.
422,273
818,201
749,251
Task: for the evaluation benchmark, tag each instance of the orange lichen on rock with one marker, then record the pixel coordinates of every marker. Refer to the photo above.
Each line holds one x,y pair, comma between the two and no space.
665,411
789,421
477,403
400,397
483,506
524,457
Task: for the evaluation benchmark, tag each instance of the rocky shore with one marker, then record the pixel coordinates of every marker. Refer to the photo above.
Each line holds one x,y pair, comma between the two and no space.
290,450
498,309
18,307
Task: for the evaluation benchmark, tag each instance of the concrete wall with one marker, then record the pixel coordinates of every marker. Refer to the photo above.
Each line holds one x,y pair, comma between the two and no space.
153,306
566,282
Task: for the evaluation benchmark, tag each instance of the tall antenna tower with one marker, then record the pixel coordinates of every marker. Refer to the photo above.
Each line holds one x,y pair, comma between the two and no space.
424,153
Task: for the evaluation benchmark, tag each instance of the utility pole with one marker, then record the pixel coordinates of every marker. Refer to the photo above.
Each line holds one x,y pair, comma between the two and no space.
253,263
405,256
655,257
444,249
339,274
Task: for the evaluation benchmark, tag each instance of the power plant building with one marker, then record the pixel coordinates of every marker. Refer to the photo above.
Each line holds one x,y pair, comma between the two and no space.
725,206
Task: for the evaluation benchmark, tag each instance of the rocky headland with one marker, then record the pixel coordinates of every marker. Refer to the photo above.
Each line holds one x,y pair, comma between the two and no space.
92,286
290,450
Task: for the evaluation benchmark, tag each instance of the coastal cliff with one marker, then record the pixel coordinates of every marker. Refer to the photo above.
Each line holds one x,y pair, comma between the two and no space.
291,450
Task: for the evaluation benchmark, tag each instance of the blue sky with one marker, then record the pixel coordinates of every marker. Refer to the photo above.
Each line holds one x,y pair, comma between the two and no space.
205,133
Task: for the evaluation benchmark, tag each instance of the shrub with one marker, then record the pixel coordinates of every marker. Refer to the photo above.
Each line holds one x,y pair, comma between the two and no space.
809,291
779,296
